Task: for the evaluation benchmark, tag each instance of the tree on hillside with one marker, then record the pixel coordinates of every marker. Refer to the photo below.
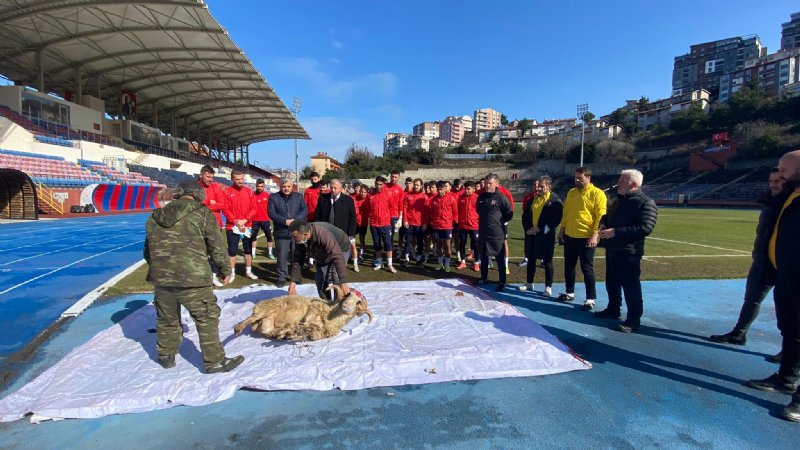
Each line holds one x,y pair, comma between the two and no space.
555,147
642,104
503,119
692,121
614,151
469,140
619,117
588,116
524,125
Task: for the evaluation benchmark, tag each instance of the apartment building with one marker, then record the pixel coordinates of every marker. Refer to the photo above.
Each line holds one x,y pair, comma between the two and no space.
453,128
322,162
394,142
706,63
790,33
485,119
660,112
429,130
772,73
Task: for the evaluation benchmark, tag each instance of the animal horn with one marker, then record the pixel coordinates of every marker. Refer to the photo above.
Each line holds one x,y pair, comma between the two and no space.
338,290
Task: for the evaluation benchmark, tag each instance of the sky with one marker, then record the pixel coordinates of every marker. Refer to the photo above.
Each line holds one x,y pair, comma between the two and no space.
365,68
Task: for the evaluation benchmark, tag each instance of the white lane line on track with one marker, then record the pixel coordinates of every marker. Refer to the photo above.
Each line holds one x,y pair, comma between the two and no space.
89,298
84,234
699,245
68,265
67,248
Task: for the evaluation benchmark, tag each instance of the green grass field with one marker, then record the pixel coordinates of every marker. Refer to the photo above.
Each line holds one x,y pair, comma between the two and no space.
686,244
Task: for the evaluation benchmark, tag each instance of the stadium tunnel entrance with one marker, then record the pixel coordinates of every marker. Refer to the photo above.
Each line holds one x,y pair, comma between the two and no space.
17,196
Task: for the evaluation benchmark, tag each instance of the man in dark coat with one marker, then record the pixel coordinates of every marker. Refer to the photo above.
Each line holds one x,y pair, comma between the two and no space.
782,265
541,215
180,238
756,288
494,210
284,208
630,218
337,209
329,247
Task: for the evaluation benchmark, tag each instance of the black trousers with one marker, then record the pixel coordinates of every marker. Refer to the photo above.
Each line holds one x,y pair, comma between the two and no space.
530,272
623,272
574,249
787,309
755,292
284,251
501,265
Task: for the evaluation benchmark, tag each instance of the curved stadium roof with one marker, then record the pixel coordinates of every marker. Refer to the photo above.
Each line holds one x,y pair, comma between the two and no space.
172,54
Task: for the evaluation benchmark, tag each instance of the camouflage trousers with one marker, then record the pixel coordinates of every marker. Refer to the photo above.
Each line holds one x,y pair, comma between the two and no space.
202,306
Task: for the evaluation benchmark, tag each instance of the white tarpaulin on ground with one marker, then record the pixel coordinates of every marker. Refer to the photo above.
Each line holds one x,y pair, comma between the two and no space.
422,332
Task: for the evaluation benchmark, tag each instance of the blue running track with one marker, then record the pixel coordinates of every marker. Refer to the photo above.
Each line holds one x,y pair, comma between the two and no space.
46,266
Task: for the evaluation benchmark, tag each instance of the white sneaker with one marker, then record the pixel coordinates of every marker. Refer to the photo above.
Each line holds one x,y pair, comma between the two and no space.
215,281
548,291
250,275
233,276
391,269
378,267
526,287
588,305
355,267
524,262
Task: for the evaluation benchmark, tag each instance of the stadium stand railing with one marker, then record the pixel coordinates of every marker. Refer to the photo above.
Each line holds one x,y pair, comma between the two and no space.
115,175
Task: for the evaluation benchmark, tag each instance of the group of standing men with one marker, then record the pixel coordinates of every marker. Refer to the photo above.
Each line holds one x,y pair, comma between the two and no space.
585,221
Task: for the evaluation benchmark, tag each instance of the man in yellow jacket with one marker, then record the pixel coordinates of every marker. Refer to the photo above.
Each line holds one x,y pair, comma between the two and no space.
584,206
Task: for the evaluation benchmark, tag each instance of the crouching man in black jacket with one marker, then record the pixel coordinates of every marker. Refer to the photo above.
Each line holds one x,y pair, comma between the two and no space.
630,218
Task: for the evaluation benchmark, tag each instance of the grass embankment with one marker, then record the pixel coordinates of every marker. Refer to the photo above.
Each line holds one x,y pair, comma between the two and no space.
686,244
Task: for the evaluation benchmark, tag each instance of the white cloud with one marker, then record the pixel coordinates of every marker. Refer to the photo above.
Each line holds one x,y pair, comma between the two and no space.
338,45
381,85
333,135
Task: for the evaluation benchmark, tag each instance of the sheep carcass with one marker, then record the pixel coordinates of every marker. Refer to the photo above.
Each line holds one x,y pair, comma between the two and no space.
294,317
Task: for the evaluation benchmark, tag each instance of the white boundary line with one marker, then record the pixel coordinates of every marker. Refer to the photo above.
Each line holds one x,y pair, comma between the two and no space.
699,245
84,244
85,301
68,265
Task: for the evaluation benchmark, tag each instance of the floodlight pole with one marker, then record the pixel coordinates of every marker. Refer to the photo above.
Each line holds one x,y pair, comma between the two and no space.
297,105
583,108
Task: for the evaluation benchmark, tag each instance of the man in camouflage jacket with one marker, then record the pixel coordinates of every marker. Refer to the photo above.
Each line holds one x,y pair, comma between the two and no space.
180,238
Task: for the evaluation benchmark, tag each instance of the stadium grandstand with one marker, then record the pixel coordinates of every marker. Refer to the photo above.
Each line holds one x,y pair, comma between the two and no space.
123,99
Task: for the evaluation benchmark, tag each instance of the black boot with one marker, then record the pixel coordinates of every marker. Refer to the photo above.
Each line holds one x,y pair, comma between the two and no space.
792,410
167,362
607,314
773,383
734,337
776,358
226,365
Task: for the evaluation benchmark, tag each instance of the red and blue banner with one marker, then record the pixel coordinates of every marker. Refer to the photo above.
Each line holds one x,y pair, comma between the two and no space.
117,197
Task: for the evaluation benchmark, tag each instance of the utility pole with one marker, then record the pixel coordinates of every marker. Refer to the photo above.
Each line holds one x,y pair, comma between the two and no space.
297,105
583,108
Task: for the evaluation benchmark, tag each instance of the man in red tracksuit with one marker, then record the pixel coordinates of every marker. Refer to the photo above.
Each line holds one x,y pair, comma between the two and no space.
396,194
239,213
311,195
414,204
215,196
468,225
380,223
442,212
261,219
215,201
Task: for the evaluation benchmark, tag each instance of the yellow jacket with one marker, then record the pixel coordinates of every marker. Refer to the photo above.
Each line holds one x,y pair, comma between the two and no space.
582,211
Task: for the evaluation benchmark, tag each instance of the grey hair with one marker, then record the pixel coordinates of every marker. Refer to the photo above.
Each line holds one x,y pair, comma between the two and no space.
301,226
546,180
336,181
634,176
492,176
286,181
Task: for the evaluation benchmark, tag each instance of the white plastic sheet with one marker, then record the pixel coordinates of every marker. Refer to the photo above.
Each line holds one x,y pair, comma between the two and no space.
423,332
